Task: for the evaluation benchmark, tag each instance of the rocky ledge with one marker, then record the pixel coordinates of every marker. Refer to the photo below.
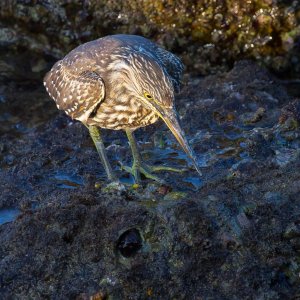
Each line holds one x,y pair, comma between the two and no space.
232,234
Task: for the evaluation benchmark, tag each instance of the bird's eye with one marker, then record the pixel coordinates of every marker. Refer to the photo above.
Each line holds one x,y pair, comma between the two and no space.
148,96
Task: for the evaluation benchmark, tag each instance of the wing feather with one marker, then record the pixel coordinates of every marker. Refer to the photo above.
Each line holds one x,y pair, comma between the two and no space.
77,93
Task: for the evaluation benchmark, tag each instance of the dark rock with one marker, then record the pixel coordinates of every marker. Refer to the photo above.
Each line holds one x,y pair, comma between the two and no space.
235,237
130,242
292,231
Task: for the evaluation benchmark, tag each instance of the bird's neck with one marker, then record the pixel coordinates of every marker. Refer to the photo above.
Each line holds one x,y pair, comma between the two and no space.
122,86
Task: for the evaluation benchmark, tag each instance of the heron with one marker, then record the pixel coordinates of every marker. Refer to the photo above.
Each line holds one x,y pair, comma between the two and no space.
120,82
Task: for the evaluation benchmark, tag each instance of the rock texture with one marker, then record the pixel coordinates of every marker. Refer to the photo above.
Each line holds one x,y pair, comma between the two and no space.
209,35
232,234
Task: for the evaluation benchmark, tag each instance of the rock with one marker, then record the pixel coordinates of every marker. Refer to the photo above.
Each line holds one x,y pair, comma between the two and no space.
54,28
233,237
286,156
292,231
129,243
256,117
243,220
275,198
174,196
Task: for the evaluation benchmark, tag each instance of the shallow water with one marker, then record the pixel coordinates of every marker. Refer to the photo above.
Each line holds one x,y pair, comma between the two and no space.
225,143
8,215
66,181
195,183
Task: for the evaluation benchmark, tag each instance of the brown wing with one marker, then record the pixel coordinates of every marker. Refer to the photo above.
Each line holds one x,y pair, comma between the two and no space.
77,93
168,60
173,65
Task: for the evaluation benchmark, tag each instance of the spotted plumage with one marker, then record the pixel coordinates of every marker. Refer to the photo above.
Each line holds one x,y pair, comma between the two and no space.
88,76
118,82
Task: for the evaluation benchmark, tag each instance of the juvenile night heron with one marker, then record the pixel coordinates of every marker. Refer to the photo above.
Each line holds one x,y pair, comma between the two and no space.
119,82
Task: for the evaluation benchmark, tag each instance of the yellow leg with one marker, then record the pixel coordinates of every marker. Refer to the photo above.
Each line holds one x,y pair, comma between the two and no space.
139,167
96,137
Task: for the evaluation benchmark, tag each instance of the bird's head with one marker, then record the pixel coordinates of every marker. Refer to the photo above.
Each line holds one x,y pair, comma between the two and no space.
150,83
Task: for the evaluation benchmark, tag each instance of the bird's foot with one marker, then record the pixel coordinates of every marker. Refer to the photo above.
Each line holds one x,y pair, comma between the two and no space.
137,169
114,185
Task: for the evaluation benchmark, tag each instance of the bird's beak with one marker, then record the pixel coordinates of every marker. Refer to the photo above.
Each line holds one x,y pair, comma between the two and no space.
171,119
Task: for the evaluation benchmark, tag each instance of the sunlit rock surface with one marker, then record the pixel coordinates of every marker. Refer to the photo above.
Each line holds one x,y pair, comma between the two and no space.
209,35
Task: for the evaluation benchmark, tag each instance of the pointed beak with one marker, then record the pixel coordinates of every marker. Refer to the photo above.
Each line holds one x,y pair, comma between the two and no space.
171,119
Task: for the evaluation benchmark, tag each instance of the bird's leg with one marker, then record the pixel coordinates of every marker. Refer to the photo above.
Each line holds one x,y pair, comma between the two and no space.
137,159
96,137
139,166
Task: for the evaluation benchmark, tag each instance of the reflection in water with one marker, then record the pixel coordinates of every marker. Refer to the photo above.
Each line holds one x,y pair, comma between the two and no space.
65,181
127,180
195,182
8,215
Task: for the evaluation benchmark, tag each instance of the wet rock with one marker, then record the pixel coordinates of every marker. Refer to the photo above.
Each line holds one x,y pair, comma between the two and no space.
97,296
291,110
293,272
9,159
256,116
292,231
290,117
235,233
175,196
285,156
259,30
8,214
243,220
275,198
259,146
164,189
228,241
244,166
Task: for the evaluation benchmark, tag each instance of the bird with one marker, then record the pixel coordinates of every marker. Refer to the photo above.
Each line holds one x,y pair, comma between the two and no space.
120,82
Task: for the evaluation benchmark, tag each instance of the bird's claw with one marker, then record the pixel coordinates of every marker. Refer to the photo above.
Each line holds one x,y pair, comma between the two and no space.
147,171
114,186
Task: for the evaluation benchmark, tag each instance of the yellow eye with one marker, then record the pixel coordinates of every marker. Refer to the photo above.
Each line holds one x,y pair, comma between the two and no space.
148,96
